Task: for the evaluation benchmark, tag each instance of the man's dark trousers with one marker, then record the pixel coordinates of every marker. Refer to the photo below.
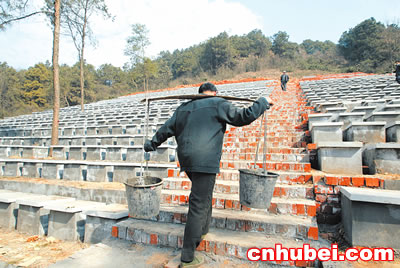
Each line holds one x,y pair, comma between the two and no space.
283,86
199,215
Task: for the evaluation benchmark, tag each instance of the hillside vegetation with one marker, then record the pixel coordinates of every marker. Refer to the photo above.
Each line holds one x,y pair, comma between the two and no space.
370,47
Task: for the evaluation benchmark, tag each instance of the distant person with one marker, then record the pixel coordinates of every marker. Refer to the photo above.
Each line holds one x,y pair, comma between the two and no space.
397,71
284,80
199,126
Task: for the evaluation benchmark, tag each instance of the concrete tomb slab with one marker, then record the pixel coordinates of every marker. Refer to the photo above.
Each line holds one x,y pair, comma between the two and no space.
30,170
347,118
382,158
366,132
94,152
384,116
73,172
75,153
9,209
393,132
322,117
327,132
66,220
11,169
32,217
364,211
340,157
97,173
99,222
50,171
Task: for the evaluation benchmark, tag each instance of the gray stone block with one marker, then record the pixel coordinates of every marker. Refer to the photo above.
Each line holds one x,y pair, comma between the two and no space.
11,169
384,116
94,153
371,217
366,132
8,215
75,153
393,132
116,130
50,171
66,226
97,173
322,117
32,220
122,173
327,132
340,157
114,153
103,130
73,172
99,222
67,220
382,158
30,170
60,153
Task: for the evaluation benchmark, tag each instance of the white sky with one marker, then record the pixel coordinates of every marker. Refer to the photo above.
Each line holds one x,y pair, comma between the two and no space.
177,24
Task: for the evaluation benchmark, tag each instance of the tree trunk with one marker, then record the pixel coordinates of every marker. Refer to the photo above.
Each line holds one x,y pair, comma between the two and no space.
56,77
82,59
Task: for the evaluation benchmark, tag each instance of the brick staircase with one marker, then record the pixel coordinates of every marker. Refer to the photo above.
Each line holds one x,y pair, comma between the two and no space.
291,219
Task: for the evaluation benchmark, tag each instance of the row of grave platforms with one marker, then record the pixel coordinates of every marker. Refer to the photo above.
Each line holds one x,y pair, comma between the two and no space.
353,130
355,124
78,194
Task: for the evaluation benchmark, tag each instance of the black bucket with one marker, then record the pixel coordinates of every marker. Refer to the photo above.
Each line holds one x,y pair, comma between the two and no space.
143,199
256,187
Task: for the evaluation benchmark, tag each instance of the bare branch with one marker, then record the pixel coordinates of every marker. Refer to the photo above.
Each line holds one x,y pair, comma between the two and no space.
21,18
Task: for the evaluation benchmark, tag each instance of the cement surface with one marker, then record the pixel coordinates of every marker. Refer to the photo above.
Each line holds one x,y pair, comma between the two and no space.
372,195
117,253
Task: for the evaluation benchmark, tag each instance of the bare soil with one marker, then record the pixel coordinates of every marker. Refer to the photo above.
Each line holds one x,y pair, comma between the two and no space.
34,251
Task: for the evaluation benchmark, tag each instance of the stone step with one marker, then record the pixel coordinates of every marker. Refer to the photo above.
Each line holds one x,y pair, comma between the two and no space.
226,155
242,221
232,187
291,206
270,165
217,241
285,177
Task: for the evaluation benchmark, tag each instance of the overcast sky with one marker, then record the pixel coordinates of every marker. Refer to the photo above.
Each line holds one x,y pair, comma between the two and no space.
177,24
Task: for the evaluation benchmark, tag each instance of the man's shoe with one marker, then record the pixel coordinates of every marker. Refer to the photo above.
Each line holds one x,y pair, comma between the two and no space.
197,261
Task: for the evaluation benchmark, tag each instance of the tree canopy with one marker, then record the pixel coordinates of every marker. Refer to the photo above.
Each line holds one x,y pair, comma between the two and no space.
370,46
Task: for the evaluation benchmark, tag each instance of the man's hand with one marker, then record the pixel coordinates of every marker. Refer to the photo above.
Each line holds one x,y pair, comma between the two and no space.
270,101
148,146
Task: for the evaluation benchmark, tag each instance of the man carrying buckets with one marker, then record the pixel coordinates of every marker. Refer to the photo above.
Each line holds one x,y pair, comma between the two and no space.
199,126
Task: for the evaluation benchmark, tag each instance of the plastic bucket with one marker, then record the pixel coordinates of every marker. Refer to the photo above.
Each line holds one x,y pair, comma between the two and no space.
256,188
143,199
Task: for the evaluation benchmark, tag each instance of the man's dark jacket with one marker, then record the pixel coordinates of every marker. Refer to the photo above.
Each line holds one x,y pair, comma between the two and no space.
284,78
199,127
397,71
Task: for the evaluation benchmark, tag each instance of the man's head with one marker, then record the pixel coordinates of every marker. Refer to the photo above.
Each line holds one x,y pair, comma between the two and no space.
208,89
284,72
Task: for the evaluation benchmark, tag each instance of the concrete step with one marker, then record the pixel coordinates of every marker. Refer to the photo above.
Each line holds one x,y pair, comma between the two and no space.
244,148
285,177
270,165
226,155
217,241
242,221
232,187
285,206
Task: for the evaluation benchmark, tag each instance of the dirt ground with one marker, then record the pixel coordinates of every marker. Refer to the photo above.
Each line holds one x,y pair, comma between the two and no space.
23,250
34,251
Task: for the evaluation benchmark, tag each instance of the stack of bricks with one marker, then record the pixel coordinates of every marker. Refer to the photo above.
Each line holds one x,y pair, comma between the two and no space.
327,193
